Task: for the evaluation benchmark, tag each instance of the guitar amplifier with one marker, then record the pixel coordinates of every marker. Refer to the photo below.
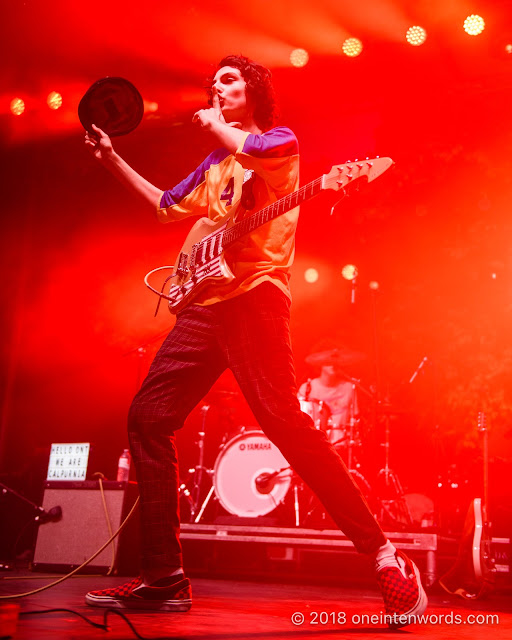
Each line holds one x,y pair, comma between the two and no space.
502,553
65,544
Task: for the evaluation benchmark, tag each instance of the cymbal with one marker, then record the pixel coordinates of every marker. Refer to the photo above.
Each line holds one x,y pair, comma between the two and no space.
335,357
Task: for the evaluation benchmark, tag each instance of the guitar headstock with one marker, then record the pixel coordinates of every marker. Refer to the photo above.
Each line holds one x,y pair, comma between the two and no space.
482,422
342,175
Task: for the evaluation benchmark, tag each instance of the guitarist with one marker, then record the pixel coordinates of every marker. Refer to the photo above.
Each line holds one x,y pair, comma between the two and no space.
243,325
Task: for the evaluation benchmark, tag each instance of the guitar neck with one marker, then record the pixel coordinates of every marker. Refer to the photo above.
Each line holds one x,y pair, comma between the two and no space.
486,476
482,428
272,211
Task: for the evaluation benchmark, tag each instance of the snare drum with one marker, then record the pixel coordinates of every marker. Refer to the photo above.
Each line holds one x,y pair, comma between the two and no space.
251,477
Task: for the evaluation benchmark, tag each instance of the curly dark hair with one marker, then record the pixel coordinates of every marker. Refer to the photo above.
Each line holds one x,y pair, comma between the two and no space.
259,88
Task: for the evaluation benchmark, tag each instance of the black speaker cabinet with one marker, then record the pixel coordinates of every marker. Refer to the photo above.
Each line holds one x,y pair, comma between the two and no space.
83,529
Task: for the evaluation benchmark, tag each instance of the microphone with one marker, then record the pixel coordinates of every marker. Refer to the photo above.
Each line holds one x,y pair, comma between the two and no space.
418,369
265,482
53,515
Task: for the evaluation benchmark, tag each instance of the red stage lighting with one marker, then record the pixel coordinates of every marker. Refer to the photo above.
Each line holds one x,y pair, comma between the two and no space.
416,36
349,272
17,106
299,57
54,100
311,275
352,47
474,25
150,107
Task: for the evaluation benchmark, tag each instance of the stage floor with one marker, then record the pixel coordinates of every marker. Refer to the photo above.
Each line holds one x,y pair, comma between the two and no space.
231,609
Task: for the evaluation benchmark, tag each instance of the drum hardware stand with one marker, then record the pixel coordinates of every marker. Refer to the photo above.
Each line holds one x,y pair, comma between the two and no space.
392,483
197,472
296,505
205,503
200,469
352,423
198,475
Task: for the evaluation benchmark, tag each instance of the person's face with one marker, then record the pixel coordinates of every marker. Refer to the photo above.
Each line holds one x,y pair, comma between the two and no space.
229,86
329,370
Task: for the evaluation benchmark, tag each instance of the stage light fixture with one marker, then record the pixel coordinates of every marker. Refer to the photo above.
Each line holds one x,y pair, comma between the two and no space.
416,36
299,57
311,275
374,285
54,100
17,106
349,272
501,44
352,47
150,107
474,25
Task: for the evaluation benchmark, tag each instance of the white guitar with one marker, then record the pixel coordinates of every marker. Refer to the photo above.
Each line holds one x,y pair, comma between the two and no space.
201,260
474,571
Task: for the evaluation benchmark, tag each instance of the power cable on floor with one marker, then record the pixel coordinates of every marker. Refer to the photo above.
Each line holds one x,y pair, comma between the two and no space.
97,625
84,564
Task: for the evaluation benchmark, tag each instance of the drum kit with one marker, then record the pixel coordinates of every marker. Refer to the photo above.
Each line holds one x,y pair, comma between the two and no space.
250,478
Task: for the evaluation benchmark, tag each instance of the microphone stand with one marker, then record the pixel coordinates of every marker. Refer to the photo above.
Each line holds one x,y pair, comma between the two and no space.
41,516
140,351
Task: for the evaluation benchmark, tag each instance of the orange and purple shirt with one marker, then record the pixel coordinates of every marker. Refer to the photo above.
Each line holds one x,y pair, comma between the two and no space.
214,190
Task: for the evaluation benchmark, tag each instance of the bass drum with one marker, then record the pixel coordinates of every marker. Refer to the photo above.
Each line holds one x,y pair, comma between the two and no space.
243,476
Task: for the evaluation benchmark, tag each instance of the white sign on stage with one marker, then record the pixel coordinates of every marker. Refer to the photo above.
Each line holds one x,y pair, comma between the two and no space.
68,461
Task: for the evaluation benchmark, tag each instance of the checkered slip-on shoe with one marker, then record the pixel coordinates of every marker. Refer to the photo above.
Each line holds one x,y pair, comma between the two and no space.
168,594
404,596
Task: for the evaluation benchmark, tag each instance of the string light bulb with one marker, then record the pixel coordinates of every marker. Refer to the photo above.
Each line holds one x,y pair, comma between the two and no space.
311,275
352,47
299,58
474,25
349,272
54,100
416,36
17,106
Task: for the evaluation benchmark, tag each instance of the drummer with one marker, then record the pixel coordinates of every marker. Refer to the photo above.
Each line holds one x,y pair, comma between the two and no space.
331,389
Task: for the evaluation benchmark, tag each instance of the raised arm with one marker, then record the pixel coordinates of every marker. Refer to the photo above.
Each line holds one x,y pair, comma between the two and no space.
100,146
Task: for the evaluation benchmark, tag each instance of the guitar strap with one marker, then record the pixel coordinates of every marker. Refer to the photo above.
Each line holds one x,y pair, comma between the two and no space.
247,199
